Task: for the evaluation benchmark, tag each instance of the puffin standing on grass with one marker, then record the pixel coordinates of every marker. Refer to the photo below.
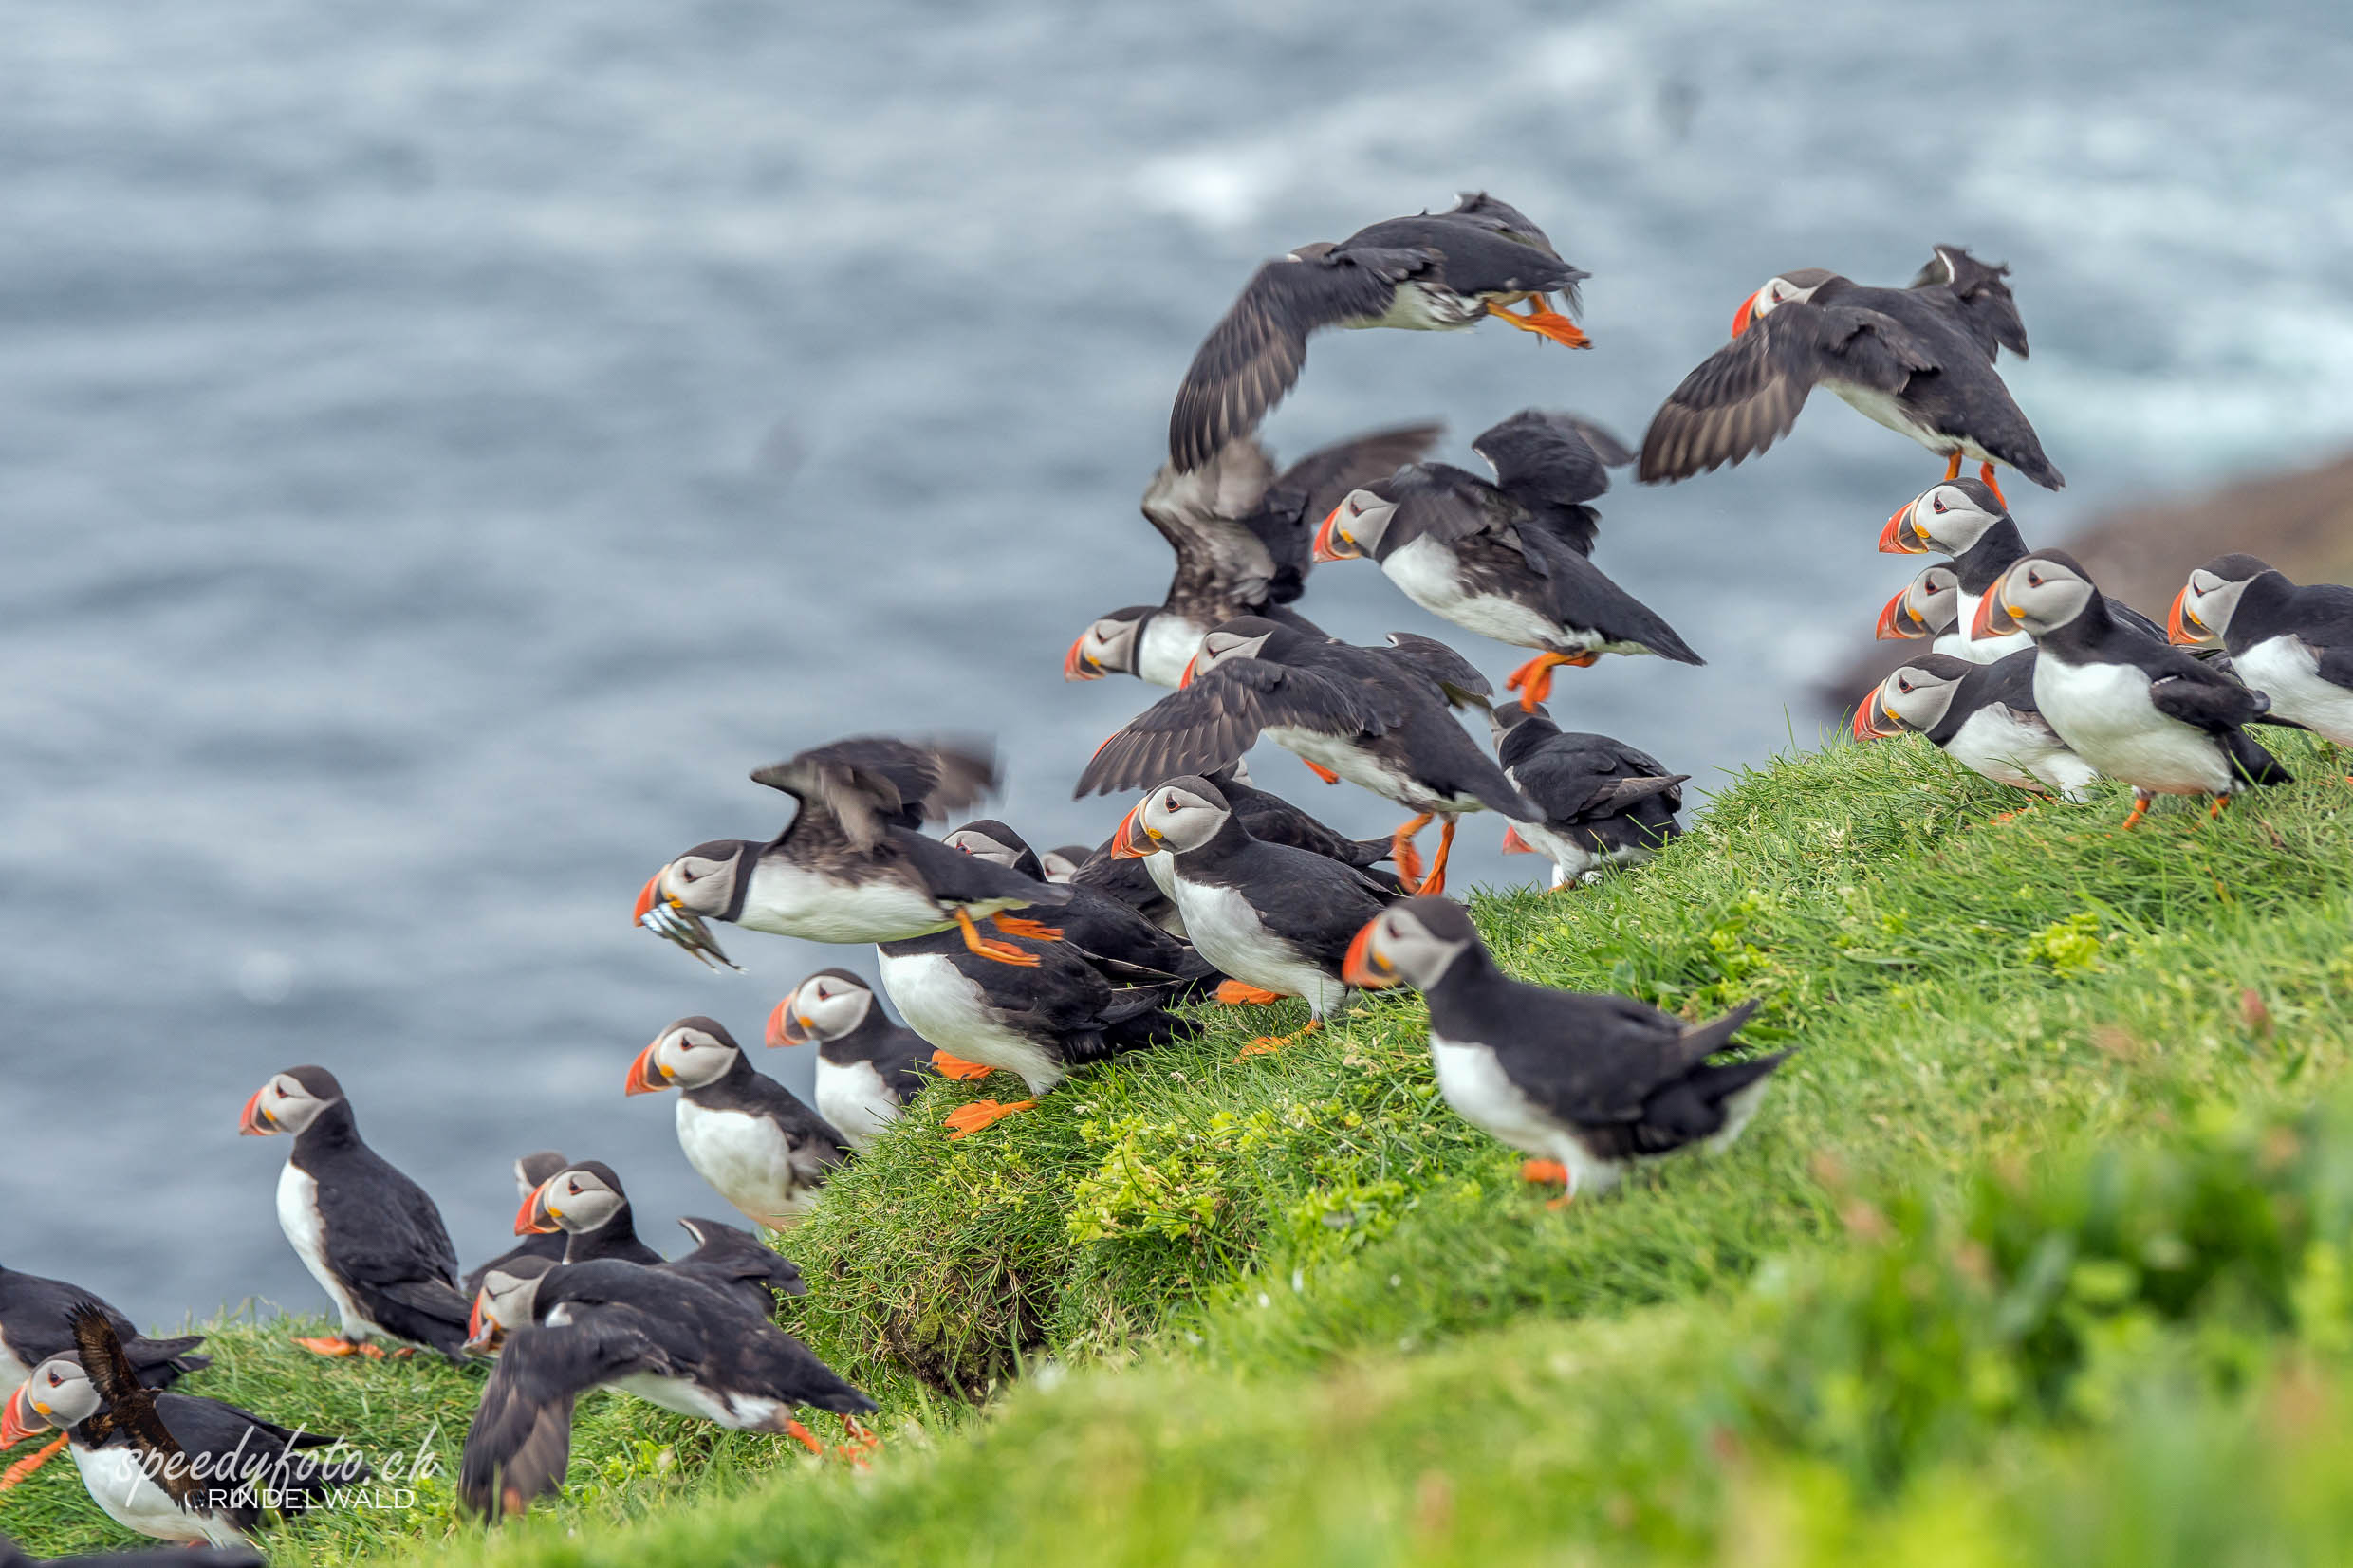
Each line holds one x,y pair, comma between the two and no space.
1242,535
1434,272
744,1133
36,1322
1591,1085
868,1067
528,1172
1275,918
1605,802
850,867
369,1235
1982,716
1507,559
586,1205
2140,711
1919,360
2293,643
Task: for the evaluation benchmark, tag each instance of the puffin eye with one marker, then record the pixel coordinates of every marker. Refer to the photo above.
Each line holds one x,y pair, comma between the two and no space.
1903,686
2034,579
1938,504
572,1187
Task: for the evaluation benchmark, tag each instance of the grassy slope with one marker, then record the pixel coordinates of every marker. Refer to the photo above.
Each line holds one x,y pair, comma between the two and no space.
1364,1339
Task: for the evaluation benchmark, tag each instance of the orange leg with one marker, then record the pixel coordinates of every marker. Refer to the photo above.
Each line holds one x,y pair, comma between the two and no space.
31,1462
1035,930
1435,883
806,1438
1985,472
967,1120
1322,773
2221,804
2141,808
1952,466
1404,856
1234,994
1275,1043
1545,322
957,1069
1533,680
1003,953
1547,1172
337,1345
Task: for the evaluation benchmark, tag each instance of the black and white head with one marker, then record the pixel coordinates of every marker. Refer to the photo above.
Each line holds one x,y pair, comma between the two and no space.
534,1169
992,841
1801,285
1412,942
1505,717
2039,593
57,1393
826,1006
1354,529
1179,815
2201,611
577,1198
1916,696
507,1300
1928,606
1949,518
1244,637
708,882
1063,863
686,1055
1109,646
289,1102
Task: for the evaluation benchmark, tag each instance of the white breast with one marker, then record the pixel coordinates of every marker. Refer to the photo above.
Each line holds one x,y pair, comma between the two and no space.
1885,407
1572,860
1991,744
677,1393
789,901
1228,933
1978,649
1168,645
2105,713
118,1484
2283,668
1476,1085
853,1097
948,1009
1366,771
1417,307
1430,576
748,1159
14,1368
298,1216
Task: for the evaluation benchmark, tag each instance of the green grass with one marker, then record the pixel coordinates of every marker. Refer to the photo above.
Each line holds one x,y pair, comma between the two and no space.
1294,1311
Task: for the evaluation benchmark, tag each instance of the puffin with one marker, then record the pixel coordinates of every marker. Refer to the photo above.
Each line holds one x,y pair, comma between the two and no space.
668,1339
1062,861
528,1172
868,1067
36,1322
368,1234
1128,944
1962,518
1432,272
1927,609
1982,716
1603,802
586,1205
850,867
1508,557
170,1466
1275,918
1376,716
2293,642
1041,1023
1589,1084
735,1261
13,1555
1919,360
2130,705
744,1133
1242,533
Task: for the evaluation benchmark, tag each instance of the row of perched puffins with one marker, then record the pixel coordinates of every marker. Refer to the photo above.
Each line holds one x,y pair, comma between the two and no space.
1002,958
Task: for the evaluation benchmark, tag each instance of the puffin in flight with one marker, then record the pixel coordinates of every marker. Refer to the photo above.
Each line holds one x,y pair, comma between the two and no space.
36,1322
868,1067
850,867
1507,559
1982,716
747,1134
2293,643
1433,272
1243,538
1919,360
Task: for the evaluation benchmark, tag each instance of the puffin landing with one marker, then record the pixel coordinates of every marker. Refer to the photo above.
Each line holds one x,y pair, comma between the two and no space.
744,1133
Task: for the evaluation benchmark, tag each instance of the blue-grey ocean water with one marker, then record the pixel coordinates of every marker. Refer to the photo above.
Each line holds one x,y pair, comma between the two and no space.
444,446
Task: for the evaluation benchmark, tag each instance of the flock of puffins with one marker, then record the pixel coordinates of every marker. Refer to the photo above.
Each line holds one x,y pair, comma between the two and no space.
1003,959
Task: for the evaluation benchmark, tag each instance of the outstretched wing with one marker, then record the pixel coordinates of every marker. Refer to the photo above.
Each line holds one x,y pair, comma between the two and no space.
1552,463
1223,567
1460,681
130,1405
874,781
1746,395
1200,727
1284,521
522,1433
1252,357
1986,310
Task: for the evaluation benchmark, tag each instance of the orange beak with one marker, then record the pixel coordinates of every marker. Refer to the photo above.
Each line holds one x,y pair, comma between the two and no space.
1868,720
1513,845
1075,665
646,1074
1981,624
1896,540
1358,970
532,1219
16,1421
2177,624
473,1320
645,898
784,1026
1897,622
1128,840
1186,680
1327,547
251,1123
1745,315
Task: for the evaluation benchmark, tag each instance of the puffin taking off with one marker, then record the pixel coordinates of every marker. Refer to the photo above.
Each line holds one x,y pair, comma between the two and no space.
1374,716
1589,1084
850,866
2291,643
1919,360
369,1235
2130,706
1508,560
744,1133
868,1067
528,1172
1242,537
36,1322
1982,716
586,1204
1605,802
1926,607
1129,946
1434,272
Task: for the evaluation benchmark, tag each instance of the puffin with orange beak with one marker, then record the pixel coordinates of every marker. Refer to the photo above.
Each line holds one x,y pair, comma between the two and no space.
744,1133
2140,711
868,1067
1508,558
1919,360
1982,716
1378,717
1433,272
1926,607
528,1172
850,867
1241,532
36,1322
1605,802
2294,643
368,1234
586,1203
1591,1085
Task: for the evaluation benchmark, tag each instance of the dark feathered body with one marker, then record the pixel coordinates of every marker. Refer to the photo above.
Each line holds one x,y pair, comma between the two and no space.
1603,802
36,1322
371,1237
1271,916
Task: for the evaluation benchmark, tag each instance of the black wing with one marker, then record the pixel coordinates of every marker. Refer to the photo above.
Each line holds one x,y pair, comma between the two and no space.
1253,356
1457,678
875,782
130,1405
1223,567
1593,776
2206,700
521,1439
1602,1057
1555,462
733,1259
1201,728
1499,217
1746,395
1987,310
1285,520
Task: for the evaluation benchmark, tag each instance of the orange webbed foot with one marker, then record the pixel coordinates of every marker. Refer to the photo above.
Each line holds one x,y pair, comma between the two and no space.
1544,1170
965,1120
1545,322
1404,856
1265,1043
1233,993
862,1443
1322,773
1034,930
329,1345
1002,952
31,1462
800,1434
957,1069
